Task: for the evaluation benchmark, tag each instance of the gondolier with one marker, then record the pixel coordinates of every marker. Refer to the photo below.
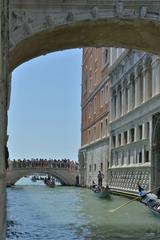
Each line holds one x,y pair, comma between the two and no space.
100,178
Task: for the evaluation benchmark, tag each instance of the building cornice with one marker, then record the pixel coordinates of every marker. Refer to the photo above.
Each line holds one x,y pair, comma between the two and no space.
104,140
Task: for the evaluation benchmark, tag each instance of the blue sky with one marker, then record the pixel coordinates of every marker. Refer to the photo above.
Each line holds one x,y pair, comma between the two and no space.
45,113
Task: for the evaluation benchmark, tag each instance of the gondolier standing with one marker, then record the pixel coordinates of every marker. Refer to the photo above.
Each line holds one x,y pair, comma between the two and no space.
100,178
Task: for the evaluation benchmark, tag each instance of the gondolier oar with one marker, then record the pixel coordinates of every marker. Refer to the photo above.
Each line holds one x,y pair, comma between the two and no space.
130,201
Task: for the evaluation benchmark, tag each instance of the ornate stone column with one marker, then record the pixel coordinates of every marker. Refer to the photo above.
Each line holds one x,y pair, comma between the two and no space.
4,80
145,81
129,95
136,89
123,101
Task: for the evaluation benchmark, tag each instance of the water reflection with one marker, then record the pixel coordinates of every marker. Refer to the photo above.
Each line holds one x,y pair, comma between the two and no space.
38,212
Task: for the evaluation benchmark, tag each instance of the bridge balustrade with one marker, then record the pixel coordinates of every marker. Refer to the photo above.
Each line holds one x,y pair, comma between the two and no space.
56,164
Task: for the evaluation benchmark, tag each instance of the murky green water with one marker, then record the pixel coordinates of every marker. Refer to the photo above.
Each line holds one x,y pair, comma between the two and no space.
38,212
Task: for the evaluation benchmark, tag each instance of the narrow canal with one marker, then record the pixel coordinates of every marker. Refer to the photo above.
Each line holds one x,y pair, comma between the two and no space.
69,213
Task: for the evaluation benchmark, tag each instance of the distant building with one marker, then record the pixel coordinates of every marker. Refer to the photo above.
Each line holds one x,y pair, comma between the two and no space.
120,118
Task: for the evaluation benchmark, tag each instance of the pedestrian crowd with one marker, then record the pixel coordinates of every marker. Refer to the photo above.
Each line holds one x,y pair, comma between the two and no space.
44,163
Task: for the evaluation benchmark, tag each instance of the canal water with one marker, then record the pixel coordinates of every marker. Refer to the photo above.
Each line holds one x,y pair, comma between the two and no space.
35,211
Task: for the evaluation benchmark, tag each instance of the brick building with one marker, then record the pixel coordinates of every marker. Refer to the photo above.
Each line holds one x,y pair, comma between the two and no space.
93,155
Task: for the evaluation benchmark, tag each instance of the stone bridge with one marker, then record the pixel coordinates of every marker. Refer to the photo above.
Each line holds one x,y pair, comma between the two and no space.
65,174
52,25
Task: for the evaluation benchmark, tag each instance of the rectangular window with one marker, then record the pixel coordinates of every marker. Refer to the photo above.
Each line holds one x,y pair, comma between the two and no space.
95,167
101,166
128,158
94,132
106,127
140,157
104,56
101,98
119,139
140,132
147,156
85,79
113,141
95,54
90,62
89,110
132,134
106,94
95,104
90,84
125,137
90,167
101,129
95,77
147,130
89,136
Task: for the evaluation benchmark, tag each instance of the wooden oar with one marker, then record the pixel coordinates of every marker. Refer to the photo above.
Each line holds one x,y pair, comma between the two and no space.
115,209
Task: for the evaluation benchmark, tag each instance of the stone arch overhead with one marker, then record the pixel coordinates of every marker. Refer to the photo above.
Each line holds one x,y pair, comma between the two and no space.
65,177
40,27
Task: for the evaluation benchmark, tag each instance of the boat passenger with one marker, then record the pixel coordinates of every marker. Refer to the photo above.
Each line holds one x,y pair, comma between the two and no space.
145,197
94,186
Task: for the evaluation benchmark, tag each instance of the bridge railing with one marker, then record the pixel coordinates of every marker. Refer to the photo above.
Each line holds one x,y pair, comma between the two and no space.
44,164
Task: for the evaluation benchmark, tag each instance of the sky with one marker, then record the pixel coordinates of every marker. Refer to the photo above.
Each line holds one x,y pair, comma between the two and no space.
45,114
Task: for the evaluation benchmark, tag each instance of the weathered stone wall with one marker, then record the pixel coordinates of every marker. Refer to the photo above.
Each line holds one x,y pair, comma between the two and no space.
4,80
96,154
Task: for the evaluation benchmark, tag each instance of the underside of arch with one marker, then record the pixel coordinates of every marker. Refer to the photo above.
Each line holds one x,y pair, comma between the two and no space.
137,34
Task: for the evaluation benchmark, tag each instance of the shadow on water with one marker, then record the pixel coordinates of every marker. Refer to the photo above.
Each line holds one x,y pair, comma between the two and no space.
68,213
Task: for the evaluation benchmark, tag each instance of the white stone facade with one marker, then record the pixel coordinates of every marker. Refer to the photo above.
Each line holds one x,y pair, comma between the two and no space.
97,159
135,99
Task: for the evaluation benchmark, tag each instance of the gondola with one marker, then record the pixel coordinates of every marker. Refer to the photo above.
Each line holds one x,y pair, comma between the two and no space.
101,192
33,179
153,205
51,183
150,200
